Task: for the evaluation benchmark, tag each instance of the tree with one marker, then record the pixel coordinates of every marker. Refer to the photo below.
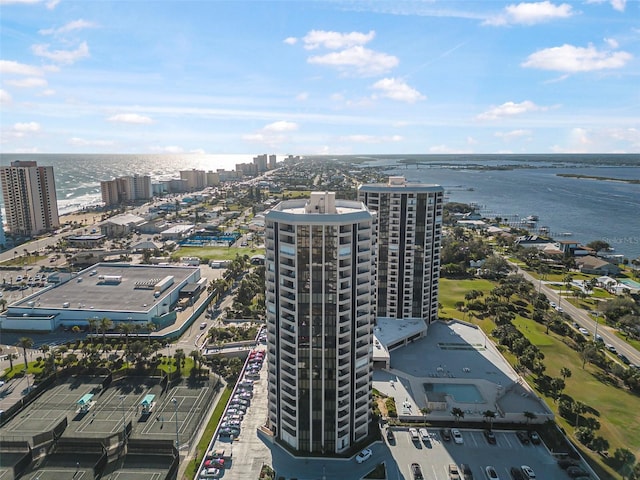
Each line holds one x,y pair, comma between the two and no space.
458,413
599,444
179,356
579,408
598,245
624,459
104,325
489,415
565,373
529,416
24,343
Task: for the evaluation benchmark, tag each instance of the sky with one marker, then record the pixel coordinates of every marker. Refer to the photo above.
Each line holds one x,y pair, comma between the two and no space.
319,77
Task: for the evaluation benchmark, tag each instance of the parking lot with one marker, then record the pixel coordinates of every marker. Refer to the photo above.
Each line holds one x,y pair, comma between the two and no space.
435,454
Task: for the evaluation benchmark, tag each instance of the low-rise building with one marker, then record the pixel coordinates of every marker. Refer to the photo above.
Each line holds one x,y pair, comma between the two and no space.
597,266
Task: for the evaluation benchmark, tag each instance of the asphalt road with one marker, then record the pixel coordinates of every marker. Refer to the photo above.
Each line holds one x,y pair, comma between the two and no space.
583,319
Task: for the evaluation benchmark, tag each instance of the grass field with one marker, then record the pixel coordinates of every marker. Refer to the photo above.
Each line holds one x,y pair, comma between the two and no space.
617,410
215,253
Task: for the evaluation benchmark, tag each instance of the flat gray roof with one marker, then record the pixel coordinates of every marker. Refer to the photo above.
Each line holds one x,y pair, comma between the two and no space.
89,291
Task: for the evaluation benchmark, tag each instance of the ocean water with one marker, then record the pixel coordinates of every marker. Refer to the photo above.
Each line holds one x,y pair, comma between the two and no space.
511,186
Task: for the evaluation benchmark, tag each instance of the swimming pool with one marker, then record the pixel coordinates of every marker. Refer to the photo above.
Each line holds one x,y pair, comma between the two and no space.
629,283
461,392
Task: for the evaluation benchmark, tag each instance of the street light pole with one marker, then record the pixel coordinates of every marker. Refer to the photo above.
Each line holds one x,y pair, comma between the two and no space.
175,405
595,334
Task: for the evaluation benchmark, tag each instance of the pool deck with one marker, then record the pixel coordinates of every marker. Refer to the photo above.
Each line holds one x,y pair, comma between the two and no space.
457,353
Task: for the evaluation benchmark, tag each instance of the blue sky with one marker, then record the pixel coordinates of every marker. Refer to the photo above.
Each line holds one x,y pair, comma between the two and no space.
317,77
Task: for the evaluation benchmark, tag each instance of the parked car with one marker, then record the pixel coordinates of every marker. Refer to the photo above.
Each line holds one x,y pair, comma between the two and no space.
414,434
624,359
416,471
445,433
491,473
523,437
567,462
390,436
516,474
209,473
534,437
214,463
457,436
424,435
490,436
364,455
467,474
454,474
528,471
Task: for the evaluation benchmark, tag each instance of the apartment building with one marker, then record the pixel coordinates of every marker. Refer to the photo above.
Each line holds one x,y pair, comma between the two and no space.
409,231
320,284
31,203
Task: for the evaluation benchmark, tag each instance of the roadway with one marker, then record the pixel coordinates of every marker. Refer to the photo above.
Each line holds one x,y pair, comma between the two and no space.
582,319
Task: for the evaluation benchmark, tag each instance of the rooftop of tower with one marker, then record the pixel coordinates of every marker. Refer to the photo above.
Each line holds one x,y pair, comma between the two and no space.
400,184
320,204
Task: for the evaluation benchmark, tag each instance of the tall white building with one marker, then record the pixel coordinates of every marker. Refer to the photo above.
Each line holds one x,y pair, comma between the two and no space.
408,246
31,203
320,283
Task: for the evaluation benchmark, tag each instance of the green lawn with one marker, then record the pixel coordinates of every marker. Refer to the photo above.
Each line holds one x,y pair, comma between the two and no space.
215,253
618,411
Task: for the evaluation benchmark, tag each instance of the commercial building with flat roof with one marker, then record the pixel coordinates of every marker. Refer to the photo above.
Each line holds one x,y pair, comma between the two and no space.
119,292
320,282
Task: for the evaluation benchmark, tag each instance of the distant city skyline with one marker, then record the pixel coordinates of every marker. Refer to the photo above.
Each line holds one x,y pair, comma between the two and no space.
319,77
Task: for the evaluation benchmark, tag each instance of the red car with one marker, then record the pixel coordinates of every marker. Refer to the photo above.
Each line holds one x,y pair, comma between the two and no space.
214,463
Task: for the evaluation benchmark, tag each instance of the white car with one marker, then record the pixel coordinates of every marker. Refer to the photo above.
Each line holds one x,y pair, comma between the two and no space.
424,435
457,436
491,473
209,473
553,305
527,471
583,331
414,434
364,455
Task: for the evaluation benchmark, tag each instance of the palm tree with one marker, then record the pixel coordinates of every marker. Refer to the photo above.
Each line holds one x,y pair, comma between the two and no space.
579,408
151,327
489,415
93,324
458,413
105,324
24,343
179,356
197,359
529,416
565,373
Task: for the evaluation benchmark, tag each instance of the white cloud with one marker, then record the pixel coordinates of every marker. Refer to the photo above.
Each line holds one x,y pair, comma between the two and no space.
371,138
612,42
618,5
29,82
397,89
81,142
11,67
69,27
335,40
358,60
5,97
27,127
281,126
531,13
569,58
291,40
48,92
509,109
272,134
51,4
513,134
19,130
302,96
66,57
130,118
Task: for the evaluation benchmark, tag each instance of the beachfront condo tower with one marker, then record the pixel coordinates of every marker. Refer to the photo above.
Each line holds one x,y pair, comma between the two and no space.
320,284
29,192
409,229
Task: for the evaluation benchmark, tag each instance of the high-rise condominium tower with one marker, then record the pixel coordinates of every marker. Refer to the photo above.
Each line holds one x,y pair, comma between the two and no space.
30,199
408,247
319,302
